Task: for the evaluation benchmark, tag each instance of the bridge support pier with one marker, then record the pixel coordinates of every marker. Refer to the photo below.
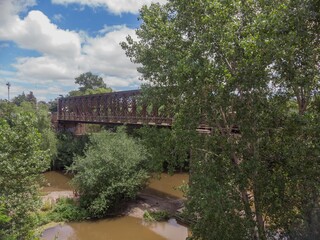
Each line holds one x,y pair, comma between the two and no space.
73,127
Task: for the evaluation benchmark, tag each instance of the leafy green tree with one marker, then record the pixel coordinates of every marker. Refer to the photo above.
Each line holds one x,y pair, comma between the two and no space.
21,162
18,100
4,219
68,146
42,123
89,84
31,98
166,150
238,67
110,173
53,106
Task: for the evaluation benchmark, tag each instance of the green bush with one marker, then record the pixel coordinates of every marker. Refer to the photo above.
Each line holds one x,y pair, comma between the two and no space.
67,210
166,151
110,172
158,216
67,147
21,162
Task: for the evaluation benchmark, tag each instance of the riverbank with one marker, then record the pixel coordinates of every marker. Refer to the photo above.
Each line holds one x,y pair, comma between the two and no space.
151,199
145,201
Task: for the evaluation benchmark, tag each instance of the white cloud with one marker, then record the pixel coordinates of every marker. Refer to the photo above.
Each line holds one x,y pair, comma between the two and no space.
36,32
57,17
44,69
111,28
64,55
114,6
104,54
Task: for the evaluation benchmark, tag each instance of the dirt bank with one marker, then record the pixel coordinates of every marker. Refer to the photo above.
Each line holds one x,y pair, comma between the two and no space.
144,201
149,202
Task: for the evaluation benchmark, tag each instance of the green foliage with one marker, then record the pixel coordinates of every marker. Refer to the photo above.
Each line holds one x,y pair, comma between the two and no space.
18,100
89,81
90,84
158,216
21,162
89,92
68,146
66,210
110,172
249,70
163,146
42,122
4,219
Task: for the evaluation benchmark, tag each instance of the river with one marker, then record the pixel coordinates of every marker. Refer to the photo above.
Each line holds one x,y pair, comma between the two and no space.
121,228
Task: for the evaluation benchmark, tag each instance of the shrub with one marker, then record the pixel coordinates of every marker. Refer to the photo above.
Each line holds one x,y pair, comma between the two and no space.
158,216
68,146
67,210
110,172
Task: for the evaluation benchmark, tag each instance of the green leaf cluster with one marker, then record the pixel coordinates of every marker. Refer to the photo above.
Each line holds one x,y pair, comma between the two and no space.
68,146
21,162
89,84
165,148
156,216
110,172
65,210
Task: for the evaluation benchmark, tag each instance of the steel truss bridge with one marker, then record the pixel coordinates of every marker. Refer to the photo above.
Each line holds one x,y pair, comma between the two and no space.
116,108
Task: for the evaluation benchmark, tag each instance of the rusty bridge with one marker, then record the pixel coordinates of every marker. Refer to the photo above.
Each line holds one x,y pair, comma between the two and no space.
116,108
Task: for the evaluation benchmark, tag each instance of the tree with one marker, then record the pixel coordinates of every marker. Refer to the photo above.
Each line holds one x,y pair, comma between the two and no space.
18,100
31,98
110,172
4,219
42,123
21,162
68,146
250,70
90,84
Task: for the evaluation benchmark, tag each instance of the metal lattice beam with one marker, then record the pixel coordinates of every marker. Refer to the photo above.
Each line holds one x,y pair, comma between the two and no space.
110,108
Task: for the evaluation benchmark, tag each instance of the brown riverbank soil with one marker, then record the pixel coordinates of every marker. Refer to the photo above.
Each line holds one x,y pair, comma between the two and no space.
150,202
144,201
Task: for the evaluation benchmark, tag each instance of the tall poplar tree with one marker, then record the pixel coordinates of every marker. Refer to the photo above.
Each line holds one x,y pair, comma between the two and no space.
250,70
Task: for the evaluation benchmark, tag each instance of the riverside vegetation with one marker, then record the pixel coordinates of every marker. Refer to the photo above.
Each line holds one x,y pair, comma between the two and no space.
250,70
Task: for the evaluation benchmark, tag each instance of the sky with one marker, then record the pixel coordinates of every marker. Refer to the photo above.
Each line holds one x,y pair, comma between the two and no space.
45,44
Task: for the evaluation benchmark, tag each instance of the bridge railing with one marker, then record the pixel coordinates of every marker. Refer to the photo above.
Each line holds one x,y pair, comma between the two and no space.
117,107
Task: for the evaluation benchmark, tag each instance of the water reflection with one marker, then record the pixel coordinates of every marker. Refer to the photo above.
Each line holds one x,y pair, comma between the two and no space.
168,184
118,229
170,230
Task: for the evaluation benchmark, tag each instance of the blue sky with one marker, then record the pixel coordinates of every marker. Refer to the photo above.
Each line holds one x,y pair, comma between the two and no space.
45,44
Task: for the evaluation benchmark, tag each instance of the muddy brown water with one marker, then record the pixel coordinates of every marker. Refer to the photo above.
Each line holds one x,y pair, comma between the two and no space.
121,228
168,184
56,181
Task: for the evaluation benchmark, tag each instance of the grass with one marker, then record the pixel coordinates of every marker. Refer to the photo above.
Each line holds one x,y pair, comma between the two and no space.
156,216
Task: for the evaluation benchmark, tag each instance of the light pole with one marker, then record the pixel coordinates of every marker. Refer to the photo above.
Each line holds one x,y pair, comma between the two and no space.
9,85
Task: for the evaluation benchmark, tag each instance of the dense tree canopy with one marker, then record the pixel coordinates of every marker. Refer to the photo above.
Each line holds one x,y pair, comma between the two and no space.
250,70
21,162
110,172
90,84
18,100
